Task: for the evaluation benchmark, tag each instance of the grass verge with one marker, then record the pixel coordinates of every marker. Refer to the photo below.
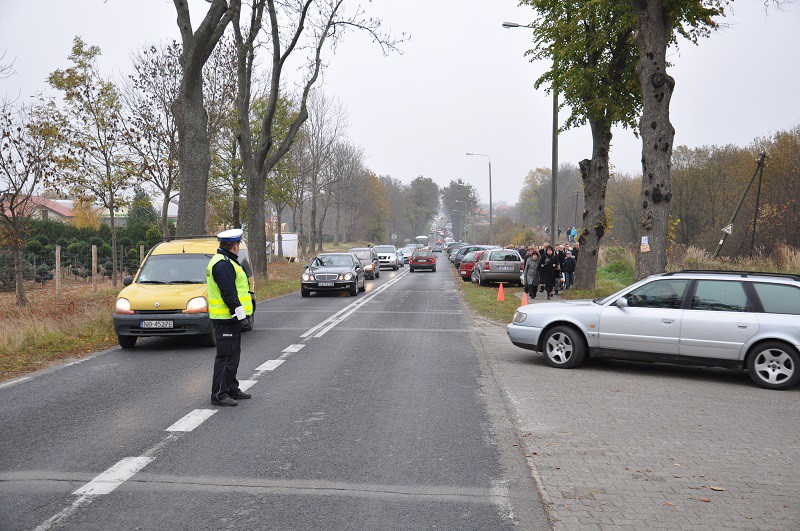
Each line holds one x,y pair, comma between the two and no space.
284,277
483,299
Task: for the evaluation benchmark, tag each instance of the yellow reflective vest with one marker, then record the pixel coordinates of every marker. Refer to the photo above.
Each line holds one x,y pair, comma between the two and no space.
217,309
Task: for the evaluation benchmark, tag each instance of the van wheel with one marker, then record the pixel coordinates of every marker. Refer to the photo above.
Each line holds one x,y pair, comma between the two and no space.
127,341
563,347
774,365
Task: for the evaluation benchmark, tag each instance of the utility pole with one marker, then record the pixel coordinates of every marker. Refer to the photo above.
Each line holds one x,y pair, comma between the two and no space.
729,228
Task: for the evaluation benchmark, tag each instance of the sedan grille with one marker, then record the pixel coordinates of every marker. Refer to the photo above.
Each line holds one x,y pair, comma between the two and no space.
326,276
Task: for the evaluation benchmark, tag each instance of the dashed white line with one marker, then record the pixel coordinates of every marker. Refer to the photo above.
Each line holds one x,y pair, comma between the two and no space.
244,385
114,476
293,348
193,419
270,365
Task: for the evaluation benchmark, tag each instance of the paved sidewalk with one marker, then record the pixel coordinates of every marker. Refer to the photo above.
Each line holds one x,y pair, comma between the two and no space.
634,445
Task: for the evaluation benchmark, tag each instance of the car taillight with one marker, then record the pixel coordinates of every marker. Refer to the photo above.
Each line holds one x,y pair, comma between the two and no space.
520,267
486,266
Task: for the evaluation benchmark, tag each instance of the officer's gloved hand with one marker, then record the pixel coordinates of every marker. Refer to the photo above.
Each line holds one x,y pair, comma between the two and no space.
240,315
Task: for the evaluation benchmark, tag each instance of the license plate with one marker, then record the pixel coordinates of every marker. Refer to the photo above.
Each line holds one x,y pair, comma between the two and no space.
505,268
463,271
326,284
155,324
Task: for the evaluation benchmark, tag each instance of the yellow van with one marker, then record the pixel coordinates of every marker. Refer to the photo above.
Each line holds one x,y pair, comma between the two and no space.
168,295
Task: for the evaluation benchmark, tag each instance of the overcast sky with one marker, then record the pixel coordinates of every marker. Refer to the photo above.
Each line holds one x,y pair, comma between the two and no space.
461,84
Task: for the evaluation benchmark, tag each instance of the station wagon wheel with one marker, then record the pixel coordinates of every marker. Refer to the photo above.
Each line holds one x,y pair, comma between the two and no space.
774,365
563,347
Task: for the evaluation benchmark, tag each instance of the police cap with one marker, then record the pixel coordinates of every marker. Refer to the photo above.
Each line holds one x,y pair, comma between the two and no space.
230,236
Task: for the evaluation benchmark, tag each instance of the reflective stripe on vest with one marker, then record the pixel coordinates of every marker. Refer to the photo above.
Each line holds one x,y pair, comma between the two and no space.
217,309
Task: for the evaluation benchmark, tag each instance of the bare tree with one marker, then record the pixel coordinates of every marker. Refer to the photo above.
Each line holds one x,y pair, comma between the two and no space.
194,154
295,26
29,143
149,94
6,69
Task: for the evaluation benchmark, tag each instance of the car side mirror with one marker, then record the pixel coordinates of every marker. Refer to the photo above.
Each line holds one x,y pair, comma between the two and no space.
307,266
127,281
622,302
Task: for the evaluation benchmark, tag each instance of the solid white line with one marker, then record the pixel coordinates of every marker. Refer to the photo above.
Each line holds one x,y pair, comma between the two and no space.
244,385
114,476
269,365
192,420
293,348
15,382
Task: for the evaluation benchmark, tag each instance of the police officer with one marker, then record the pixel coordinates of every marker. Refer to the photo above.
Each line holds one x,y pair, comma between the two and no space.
229,304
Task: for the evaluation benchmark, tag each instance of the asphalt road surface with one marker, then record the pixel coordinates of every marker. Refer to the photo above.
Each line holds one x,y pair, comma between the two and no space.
368,412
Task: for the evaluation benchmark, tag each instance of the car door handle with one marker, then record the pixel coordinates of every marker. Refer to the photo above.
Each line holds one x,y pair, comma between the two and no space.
667,321
742,326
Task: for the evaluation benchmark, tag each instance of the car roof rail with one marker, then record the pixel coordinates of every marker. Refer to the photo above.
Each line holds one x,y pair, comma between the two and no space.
745,274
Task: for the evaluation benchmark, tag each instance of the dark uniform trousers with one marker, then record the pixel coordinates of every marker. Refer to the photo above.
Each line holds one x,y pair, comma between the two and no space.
229,348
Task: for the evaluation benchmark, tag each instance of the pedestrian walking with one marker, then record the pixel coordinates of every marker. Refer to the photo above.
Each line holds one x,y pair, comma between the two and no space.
530,272
229,304
569,270
548,269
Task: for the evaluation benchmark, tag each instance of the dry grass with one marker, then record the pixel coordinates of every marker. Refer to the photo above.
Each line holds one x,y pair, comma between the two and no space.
284,277
783,260
483,299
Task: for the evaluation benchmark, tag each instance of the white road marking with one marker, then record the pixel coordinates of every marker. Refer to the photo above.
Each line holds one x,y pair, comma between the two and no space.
114,476
15,382
270,365
244,385
293,348
192,420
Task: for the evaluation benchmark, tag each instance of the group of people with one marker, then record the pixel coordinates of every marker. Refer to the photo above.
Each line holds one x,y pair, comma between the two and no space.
549,269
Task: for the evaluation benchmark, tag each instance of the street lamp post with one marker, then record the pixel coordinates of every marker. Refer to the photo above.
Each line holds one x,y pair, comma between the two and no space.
554,161
463,218
490,190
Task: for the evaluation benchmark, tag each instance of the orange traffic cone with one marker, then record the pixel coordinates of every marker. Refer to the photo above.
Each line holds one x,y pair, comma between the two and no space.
500,295
524,299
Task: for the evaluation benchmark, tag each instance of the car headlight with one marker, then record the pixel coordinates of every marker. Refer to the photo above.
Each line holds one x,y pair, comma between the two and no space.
519,317
196,305
306,276
368,266
348,276
123,306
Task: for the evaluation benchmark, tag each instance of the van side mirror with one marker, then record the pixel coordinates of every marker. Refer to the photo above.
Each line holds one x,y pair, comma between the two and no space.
127,281
622,302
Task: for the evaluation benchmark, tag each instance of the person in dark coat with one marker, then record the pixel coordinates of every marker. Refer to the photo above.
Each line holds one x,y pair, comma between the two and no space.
548,270
530,272
569,270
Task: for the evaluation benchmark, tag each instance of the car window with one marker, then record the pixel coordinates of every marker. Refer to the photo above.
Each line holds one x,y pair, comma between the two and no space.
778,298
332,261
720,296
363,254
658,294
174,269
504,256
423,254
384,249
470,257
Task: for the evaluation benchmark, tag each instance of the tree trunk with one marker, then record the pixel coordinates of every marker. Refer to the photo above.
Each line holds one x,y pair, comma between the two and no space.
301,233
595,174
164,218
256,220
336,238
652,39
114,261
314,196
321,231
279,231
236,208
194,155
19,274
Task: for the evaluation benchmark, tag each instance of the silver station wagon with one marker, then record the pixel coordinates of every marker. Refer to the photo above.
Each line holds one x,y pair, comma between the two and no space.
739,320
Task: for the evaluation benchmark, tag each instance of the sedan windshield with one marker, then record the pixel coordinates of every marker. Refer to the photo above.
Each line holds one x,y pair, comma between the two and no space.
334,260
174,269
384,249
363,254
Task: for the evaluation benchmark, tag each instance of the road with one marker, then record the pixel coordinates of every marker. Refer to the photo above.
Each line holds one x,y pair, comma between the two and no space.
368,412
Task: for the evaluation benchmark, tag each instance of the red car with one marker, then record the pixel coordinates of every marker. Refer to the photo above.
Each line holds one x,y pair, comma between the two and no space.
467,263
422,259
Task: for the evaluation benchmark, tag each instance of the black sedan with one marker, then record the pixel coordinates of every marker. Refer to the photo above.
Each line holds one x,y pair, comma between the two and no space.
333,272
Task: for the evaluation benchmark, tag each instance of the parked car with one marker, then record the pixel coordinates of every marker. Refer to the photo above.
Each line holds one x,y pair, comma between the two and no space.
498,265
387,256
461,253
168,295
422,259
740,320
333,272
369,261
465,269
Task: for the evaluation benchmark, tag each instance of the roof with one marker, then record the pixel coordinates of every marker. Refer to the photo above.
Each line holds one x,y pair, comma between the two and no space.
59,207
193,246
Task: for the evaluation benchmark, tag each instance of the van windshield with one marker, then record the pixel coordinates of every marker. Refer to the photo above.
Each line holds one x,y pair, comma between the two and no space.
174,269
